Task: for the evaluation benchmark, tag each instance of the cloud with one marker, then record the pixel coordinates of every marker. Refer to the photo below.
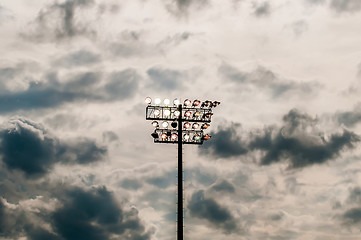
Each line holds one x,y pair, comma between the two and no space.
166,79
299,27
297,142
352,216
83,86
343,6
163,181
136,44
208,209
78,58
265,79
262,10
225,143
181,7
79,213
349,118
223,186
94,214
28,147
315,1
294,144
59,21
132,184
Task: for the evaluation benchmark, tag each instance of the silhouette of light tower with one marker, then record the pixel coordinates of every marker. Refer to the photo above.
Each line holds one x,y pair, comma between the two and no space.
180,124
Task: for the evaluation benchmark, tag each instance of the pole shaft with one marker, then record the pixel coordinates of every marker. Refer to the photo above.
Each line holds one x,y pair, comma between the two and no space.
180,178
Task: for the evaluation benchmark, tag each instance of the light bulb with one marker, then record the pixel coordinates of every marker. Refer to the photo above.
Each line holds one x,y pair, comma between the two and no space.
148,100
176,102
174,136
164,136
187,102
166,112
156,112
157,101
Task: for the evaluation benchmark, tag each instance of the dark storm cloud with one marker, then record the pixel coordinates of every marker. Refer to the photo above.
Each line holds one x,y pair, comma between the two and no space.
208,209
95,214
352,216
83,86
225,143
296,142
299,148
343,6
27,147
81,214
78,58
262,10
266,79
58,21
166,79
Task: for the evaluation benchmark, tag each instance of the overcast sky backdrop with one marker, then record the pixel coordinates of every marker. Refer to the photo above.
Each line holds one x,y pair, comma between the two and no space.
76,157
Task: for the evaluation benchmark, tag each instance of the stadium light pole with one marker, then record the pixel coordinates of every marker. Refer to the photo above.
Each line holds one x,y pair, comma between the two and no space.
190,118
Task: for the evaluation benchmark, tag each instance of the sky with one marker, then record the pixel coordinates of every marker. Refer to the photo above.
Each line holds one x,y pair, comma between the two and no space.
76,157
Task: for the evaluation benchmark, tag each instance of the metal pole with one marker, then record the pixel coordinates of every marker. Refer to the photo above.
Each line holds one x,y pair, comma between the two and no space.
180,177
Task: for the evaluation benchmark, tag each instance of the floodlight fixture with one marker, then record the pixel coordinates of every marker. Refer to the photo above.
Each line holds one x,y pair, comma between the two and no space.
207,137
197,114
166,101
166,112
155,135
196,103
187,114
186,136
157,101
174,136
148,100
156,112
176,102
174,124
164,136
176,113
195,125
187,125
208,115
155,124
206,104
216,103
205,125
165,124
196,137
187,102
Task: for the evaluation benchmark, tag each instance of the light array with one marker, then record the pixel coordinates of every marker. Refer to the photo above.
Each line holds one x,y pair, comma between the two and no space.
193,116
